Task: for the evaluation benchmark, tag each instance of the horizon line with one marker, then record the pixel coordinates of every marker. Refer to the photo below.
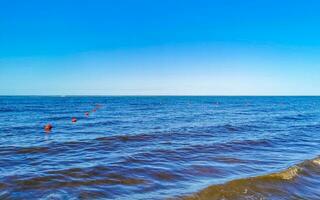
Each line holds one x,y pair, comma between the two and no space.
161,95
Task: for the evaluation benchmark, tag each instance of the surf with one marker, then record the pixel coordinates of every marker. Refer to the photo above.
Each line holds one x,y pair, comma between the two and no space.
285,184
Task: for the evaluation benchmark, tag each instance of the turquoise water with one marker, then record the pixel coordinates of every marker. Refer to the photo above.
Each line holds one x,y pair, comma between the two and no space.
154,147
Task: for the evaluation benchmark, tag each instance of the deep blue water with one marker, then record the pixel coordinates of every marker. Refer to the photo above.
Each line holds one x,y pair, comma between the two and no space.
151,147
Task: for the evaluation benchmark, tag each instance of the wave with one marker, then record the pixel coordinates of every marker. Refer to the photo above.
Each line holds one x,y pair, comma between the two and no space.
72,178
300,181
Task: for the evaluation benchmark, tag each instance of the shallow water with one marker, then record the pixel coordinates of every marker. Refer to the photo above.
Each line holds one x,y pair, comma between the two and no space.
160,148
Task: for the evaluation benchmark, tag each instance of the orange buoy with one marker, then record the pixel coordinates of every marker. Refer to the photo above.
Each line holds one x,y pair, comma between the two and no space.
74,120
87,114
47,128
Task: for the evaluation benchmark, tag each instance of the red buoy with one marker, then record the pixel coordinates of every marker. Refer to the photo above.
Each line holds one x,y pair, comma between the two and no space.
47,128
74,120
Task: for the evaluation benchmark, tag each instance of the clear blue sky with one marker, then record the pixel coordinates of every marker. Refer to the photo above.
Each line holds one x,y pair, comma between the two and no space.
150,47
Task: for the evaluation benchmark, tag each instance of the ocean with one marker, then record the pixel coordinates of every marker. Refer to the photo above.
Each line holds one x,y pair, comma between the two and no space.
160,147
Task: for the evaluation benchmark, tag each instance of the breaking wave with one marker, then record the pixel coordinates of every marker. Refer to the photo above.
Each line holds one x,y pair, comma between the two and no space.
286,184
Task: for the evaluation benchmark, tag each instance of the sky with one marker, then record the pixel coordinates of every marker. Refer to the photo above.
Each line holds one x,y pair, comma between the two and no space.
159,47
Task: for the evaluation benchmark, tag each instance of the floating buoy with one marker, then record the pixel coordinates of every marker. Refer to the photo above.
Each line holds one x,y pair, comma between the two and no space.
47,128
74,120
87,114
